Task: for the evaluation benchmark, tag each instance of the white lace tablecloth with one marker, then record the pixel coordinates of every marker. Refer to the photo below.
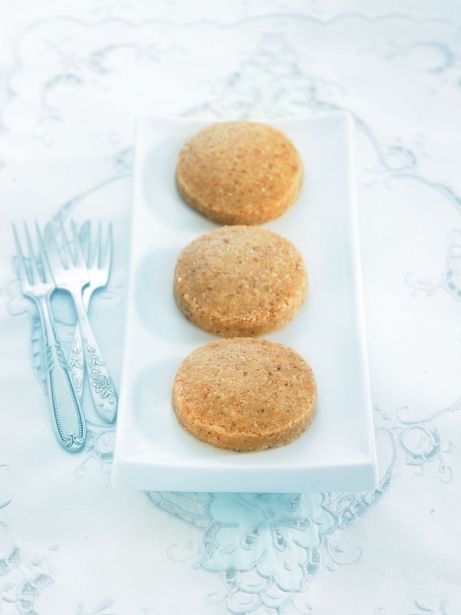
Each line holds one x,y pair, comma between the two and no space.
69,543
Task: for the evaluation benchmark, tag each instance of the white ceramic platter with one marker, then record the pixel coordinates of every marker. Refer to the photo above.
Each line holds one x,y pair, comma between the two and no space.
337,452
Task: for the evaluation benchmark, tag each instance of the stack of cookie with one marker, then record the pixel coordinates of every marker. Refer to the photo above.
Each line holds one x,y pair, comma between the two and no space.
241,281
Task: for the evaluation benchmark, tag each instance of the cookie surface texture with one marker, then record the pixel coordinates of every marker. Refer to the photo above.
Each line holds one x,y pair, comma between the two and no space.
244,394
240,281
239,172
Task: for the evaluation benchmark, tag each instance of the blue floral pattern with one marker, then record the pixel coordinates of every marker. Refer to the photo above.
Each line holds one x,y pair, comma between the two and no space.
22,581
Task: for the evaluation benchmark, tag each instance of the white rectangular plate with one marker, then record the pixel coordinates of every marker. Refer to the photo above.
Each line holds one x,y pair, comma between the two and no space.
337,452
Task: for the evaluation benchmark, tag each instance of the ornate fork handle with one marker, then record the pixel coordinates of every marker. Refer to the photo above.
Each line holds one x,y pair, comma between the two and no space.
76,362
101,385
66,412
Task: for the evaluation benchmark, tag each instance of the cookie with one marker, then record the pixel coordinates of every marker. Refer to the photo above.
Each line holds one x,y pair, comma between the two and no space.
240,281
245,394
239,172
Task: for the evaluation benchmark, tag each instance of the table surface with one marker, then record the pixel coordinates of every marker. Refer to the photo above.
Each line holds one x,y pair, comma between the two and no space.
71,83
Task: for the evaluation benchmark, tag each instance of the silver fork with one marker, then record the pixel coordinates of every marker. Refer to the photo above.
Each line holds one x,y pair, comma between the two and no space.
37,284
98,258
71,274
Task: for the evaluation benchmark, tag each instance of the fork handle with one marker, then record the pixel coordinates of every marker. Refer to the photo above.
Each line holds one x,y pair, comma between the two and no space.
76,360
66,412
101,386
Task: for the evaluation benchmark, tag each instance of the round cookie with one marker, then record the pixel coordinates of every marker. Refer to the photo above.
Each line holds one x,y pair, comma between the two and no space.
244,394
239,281
239,172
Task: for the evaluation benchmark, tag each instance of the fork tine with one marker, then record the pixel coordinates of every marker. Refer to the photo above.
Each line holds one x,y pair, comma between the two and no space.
66,243
34,268
98,246
54,256
89,249
79,256
22,271
43,254
106,258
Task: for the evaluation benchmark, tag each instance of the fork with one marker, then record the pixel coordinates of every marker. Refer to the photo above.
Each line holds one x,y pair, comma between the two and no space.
71,274
98,258
37,284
